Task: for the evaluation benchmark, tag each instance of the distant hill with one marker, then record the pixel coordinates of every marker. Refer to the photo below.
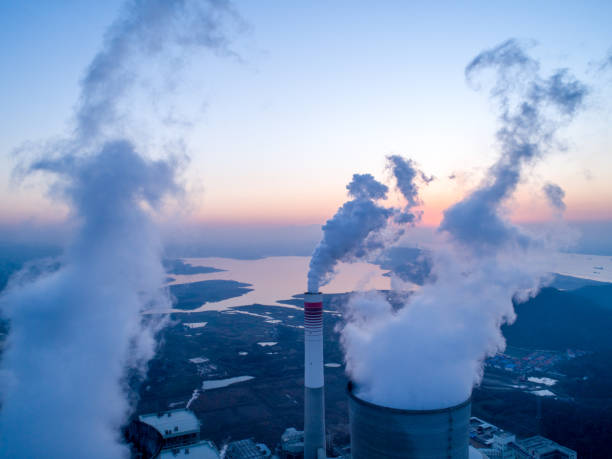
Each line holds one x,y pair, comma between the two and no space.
560,320
562,282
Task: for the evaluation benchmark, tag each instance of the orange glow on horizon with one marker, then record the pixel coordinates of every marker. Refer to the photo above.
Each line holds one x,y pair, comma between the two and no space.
312,209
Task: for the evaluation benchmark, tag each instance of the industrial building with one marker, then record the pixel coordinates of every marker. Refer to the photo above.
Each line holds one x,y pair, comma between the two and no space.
200,450
376,432
484,435
292,444
495,443
177,427
247,449
542,448
176,433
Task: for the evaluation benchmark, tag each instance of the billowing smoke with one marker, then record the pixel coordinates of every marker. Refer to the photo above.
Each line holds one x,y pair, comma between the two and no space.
532,110
409,264
77,333
406,174
555,195
429,353
353,232
606,63
145,28
73,332
359,227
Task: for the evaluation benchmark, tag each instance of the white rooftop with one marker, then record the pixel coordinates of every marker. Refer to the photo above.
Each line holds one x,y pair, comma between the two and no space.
202,450
475,454
172,423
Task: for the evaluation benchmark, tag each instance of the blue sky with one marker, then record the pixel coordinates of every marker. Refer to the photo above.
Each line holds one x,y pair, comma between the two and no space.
321,90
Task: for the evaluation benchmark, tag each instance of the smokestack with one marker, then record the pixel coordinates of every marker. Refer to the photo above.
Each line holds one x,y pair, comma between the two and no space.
314,397
381,432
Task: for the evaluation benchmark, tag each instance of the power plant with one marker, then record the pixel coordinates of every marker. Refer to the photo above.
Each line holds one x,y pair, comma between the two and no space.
314,394
376,431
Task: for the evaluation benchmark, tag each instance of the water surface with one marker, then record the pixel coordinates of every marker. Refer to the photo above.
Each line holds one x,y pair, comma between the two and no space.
275,279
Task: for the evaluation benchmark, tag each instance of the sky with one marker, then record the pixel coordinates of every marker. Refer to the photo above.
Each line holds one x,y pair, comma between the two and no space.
312,93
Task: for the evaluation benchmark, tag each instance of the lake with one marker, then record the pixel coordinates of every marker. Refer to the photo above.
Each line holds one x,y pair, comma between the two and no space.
274,279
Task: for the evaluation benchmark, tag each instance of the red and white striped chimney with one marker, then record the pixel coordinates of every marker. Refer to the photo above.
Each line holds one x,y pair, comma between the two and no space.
314,397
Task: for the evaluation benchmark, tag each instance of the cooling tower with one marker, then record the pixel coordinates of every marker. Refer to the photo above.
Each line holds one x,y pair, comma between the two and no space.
381,432
314,397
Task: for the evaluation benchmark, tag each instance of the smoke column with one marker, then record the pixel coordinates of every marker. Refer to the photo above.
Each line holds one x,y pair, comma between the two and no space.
146,28
352,232
555,195
429,353
406,173
531,110
75,333
358,227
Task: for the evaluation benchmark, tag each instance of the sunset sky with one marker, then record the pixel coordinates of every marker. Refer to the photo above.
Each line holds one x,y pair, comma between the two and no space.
314,92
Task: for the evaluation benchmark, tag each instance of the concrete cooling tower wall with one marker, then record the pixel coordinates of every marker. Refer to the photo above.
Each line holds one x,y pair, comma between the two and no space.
382,432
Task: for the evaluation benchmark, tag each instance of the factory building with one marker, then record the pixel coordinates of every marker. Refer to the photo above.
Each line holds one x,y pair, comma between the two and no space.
292,444
176,433
495,443
200,450
177,427
491,440
376,431
542,448
247,449
179,436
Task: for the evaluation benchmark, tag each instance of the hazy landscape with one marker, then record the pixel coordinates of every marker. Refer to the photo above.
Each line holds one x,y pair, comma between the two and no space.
224,359
572,314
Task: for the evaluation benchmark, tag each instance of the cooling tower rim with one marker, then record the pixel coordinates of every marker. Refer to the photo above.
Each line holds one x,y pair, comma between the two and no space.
350,386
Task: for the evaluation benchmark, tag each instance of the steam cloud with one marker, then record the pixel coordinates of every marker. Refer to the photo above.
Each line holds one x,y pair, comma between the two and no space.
353,232
555,195
406,173
532,110
358,228
606,64
73,332
146,28
429,353
76,333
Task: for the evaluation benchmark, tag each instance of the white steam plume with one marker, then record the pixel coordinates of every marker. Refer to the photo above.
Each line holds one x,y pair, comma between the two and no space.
406,175
555,195
532,110
75,334
429,353
357,228
353,232
145,28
